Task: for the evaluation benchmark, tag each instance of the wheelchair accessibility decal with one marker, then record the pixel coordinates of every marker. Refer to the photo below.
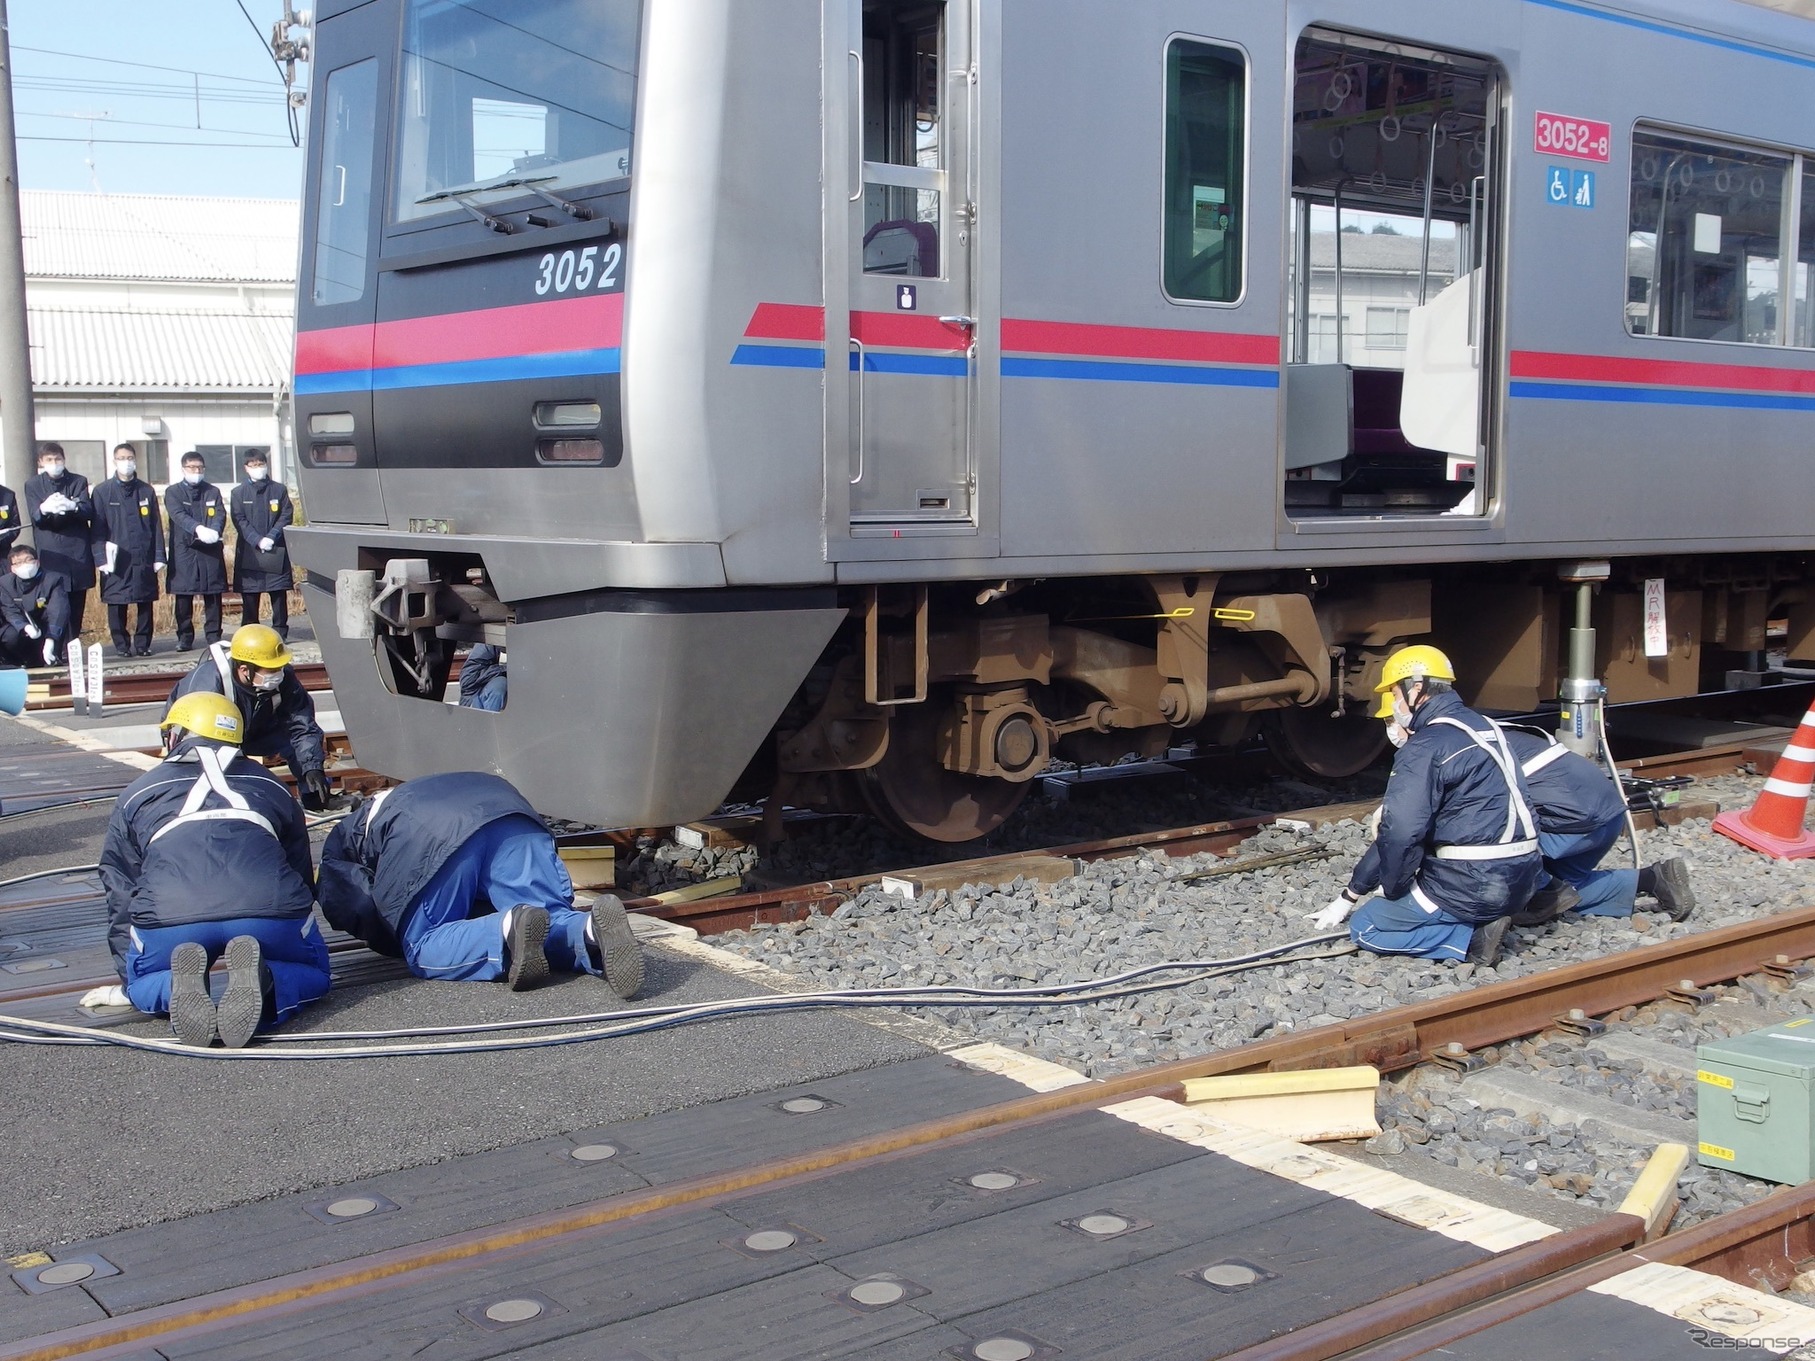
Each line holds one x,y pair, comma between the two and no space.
1567,188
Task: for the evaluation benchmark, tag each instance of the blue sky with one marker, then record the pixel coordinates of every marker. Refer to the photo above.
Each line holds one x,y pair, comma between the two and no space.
107,85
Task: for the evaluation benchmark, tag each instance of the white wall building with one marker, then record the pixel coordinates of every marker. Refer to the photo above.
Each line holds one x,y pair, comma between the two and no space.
162,322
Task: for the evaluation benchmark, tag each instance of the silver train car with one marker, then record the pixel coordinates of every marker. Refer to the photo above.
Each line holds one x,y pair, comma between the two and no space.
867,400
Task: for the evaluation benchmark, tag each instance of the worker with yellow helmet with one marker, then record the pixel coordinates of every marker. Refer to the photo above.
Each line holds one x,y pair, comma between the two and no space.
1456,852
207,857
253,670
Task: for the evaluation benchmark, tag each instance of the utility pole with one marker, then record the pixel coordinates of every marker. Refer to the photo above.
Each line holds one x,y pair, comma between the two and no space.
19,425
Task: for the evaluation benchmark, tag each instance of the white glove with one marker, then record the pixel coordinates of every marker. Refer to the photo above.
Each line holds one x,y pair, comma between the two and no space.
50,651
203,534
157,566
1332,916
33,632
266,545
112,995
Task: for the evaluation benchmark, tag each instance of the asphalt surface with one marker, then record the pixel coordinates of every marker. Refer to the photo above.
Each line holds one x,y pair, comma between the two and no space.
105,1139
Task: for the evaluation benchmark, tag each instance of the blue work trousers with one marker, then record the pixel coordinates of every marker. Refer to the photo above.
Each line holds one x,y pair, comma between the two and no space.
1573,859
1404,926
293,950
454,929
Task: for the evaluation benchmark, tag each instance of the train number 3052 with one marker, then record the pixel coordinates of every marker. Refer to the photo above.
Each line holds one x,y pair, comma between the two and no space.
576,271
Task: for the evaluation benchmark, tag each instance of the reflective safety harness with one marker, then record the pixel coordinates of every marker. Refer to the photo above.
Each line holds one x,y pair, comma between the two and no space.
223,664
213,780
1520,836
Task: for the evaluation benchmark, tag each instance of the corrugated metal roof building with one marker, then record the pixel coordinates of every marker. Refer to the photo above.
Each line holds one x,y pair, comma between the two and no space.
163,322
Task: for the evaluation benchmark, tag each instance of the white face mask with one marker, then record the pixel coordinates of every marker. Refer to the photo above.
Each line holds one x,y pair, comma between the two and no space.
193,479
258,474
1402,713
1396,734
267,682
54,468
25,571
126,470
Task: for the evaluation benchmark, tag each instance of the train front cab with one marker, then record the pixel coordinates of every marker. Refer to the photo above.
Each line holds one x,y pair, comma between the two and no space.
459,406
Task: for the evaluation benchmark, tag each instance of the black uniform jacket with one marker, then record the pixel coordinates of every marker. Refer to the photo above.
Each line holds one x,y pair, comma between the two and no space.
65,540
128,516
196,568
286,715
260,511
378,859
203,869
44,601
10,523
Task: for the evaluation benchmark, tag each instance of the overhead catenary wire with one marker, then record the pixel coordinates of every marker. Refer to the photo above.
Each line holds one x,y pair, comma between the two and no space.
23,1030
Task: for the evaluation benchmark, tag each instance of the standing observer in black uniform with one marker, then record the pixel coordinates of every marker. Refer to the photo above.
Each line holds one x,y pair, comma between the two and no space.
34,610
261,561
198,551
128,550
10,523
62,514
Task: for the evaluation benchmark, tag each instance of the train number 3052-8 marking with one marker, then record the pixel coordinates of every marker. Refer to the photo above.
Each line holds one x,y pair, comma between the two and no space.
577,271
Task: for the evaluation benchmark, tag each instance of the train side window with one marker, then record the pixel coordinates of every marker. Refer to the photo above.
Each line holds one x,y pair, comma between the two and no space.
1705,240
1206,137
903,147
344,199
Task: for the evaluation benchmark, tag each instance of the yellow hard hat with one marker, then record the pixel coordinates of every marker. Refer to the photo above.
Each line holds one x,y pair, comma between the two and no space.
258,645
1386,705
1419,662
206,714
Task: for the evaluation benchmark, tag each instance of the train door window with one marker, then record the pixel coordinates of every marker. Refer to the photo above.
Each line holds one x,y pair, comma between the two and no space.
1802,275
344,207
505,97
903,139
1206,165
1704,248
1392,228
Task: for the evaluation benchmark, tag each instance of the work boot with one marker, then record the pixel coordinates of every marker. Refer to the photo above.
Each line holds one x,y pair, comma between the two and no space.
191,1008
1547,904
613,948
1484,945
243,1004
527,930
1668,882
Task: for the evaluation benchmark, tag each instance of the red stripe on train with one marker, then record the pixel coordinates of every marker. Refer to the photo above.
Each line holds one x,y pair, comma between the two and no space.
1595,368
592,322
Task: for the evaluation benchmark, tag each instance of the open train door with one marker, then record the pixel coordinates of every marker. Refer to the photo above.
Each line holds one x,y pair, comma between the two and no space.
1397,237
901,319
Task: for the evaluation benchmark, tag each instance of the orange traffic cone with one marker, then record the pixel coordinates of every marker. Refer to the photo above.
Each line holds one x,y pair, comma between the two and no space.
1773,824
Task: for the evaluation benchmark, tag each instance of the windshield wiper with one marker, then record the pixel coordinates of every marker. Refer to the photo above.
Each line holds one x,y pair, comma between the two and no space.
463,194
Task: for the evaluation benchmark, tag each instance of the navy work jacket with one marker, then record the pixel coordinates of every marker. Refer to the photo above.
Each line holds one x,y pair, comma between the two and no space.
378,859
161,868
285,717
261,510
10,523
1570,794
1444,791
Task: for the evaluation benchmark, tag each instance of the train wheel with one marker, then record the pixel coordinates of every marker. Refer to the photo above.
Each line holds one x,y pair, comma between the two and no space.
910,791
1310,743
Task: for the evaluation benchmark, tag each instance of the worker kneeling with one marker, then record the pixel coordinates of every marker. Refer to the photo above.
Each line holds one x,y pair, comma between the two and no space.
207,854
458,875
1457,849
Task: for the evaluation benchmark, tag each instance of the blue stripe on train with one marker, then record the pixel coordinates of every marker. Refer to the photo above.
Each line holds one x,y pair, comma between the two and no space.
1594,392
1671,31
1102,371
513,368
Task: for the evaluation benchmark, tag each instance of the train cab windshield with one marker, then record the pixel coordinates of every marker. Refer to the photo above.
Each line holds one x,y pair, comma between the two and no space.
503,98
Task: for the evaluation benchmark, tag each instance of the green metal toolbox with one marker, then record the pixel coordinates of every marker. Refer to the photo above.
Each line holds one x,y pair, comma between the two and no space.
1754,1100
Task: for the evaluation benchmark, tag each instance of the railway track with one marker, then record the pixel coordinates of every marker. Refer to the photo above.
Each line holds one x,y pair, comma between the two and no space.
141,687
1768,1241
